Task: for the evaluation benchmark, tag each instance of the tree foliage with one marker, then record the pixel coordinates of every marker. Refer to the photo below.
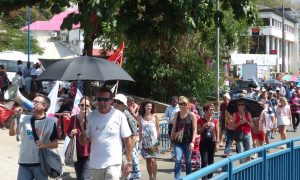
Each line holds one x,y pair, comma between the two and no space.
19,17
168,42
13,39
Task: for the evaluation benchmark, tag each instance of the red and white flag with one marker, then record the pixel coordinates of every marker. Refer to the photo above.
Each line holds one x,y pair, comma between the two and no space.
117,57
76,109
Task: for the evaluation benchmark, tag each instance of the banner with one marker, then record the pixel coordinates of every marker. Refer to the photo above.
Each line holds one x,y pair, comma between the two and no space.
53,99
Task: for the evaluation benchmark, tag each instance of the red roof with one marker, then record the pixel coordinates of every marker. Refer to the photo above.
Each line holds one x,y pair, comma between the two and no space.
53,24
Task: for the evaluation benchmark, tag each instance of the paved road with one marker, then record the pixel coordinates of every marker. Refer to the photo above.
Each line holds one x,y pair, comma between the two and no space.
9,157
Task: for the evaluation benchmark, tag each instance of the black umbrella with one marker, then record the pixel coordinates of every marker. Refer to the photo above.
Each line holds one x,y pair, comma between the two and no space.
85,68
253,106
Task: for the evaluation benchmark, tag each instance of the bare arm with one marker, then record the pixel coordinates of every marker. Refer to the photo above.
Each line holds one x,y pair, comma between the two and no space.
250,121
140,128
174,125
83,138
128,149
157,127
12,128
217,131
194,123
52,145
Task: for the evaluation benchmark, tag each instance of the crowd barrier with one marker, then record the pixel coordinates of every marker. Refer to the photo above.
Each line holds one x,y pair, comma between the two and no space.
278,164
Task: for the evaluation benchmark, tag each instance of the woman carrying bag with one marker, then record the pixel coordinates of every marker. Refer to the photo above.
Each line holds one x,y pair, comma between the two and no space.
183,135
82,169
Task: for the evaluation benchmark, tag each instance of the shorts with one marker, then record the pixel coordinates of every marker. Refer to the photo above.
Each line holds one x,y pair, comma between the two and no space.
260,136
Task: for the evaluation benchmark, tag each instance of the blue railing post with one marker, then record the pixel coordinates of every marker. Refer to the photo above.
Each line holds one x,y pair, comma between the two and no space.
265,165
292,160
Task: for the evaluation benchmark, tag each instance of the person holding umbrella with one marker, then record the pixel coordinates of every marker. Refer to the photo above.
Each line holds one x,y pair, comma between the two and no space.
242,120
82,167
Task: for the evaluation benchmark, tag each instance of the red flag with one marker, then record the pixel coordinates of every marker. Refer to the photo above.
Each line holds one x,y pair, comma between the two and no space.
5,113
117,57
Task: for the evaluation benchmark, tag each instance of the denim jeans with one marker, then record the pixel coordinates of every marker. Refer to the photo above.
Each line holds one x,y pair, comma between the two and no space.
31,172
230,135
182,149
244,144
82,168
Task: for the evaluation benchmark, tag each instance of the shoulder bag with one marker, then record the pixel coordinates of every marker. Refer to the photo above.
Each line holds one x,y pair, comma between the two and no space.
71,153
50,161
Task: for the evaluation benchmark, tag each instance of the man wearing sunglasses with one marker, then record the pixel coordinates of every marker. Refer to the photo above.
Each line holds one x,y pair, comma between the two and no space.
107,129
120,103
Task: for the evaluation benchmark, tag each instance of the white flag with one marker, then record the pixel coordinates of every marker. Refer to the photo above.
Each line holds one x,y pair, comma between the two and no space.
53,99
76,102
255,82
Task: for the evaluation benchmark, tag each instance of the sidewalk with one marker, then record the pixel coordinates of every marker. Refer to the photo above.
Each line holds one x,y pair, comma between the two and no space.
9,153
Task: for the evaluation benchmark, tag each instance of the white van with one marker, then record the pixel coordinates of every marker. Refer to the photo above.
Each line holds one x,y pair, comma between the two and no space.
9,60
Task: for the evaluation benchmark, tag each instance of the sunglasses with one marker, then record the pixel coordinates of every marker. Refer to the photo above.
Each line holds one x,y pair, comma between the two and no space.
181,104
117,101
103,99
82,105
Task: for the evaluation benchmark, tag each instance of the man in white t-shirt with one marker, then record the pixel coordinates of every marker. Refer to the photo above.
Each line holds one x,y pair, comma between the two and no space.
106,129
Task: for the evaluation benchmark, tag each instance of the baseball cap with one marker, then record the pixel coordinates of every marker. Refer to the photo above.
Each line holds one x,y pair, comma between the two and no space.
122,98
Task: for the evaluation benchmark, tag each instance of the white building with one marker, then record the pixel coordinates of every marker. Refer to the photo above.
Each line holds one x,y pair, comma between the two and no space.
268,43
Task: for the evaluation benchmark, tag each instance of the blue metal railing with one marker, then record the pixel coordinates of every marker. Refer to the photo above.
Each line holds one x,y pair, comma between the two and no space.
279,165
164,137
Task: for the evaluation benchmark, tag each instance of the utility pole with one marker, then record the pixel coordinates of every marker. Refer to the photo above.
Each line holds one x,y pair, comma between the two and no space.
218,55
28,34
284,70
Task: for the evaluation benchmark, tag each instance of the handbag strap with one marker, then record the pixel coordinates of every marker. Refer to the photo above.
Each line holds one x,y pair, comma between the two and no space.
35,136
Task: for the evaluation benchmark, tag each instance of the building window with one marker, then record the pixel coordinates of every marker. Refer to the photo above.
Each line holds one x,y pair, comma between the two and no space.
258,45
266,21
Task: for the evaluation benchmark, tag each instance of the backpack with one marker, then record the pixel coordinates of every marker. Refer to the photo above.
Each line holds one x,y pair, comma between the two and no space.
208,134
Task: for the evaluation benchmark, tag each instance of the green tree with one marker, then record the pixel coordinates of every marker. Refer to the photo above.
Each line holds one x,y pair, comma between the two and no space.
167,41
14,39
18,18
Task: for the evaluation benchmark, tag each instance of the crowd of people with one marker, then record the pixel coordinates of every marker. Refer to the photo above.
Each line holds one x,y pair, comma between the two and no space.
111,136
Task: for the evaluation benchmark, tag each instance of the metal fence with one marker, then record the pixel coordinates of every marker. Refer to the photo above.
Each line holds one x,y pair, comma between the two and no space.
164,137
279,164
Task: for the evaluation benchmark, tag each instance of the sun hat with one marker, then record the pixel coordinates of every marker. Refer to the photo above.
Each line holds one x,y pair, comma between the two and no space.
122,98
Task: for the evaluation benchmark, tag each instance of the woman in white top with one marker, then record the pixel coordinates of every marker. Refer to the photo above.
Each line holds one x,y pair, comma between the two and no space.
283,112
149,134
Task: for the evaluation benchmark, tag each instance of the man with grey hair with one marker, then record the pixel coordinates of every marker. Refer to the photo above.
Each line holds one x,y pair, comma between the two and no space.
45,131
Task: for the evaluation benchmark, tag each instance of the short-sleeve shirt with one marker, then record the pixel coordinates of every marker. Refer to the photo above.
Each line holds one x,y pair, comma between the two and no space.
105,132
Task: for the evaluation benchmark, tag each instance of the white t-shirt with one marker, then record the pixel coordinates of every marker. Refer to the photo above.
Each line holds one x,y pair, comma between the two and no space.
106,132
